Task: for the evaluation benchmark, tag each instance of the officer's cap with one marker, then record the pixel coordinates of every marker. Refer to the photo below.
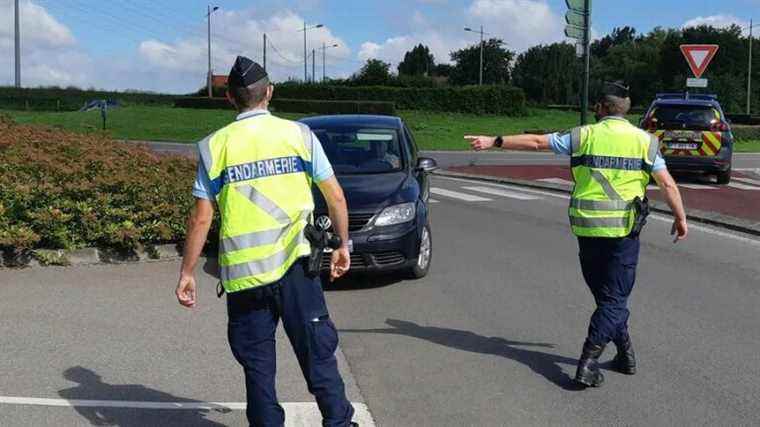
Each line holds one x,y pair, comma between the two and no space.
245,73
616,88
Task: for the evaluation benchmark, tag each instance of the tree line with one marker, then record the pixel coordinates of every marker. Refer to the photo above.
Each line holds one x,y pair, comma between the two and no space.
551,74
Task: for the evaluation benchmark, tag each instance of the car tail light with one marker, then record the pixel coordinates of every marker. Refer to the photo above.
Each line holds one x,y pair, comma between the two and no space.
719,126
650,123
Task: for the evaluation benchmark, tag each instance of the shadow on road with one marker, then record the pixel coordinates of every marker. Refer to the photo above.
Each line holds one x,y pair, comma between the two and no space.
91,387
544,364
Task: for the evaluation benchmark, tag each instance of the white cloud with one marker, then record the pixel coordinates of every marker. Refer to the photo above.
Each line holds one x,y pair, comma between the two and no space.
520,23
717,21
285,59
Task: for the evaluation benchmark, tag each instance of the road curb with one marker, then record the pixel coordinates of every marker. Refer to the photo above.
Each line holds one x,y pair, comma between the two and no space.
704,217
90,256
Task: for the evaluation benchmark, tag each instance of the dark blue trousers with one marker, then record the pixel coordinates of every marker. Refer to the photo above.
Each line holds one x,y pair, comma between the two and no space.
253,317
609,267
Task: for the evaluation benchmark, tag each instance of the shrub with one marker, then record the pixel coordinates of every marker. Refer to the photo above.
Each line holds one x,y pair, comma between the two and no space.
746,133
299,106
71,99
66,191
504,100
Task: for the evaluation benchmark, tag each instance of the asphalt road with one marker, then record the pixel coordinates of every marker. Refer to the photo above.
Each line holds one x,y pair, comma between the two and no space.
447,159
489,338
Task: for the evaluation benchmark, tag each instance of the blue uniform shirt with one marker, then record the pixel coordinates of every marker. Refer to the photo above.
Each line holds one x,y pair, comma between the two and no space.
322,169
561,144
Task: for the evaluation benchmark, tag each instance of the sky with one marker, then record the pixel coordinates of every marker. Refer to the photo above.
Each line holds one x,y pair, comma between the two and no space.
161,45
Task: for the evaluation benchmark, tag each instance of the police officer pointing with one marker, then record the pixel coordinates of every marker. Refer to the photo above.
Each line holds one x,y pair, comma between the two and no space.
612,162
259,171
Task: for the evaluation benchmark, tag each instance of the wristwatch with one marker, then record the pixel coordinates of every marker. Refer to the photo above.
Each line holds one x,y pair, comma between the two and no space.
498,142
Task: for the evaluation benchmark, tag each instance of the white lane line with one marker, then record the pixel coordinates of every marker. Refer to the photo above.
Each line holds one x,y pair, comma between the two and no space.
709,230
502,193
747,180
297,413
755,170
743,187
557,181
433,201
659,217
698,186
458,195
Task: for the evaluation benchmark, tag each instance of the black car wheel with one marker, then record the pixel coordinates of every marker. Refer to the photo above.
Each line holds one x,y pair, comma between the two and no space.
724,177
422,266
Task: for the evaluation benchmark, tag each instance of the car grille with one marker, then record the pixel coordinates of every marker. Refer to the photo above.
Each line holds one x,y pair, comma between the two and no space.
389,258
358,221
357,260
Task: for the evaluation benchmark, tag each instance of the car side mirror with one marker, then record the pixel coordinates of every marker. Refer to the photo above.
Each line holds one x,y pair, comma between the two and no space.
426,164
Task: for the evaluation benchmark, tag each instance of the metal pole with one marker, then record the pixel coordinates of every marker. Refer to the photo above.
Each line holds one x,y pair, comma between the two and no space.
313,65
209,82
480,80
324,56
265,51
305,61
749,73
587,60
18,47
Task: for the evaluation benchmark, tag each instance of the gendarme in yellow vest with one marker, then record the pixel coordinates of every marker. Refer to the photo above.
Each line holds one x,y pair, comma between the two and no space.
612,163
260,169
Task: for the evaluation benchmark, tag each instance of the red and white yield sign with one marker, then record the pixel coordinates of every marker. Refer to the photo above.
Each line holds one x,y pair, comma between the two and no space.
699,56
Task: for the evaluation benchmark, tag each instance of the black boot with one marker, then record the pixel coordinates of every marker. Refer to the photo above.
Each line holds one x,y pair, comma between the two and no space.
588,372
625,360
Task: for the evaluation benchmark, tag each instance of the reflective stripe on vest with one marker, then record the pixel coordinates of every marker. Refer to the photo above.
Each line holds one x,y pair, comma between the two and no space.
612,161
261,167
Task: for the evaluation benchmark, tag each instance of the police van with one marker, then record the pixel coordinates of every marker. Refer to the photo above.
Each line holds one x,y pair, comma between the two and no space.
694,134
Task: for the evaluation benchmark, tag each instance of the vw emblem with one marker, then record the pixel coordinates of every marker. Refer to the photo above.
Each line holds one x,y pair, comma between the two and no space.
324,223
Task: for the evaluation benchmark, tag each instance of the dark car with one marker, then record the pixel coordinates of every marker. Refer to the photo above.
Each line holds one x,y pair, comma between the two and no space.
694,133
386,185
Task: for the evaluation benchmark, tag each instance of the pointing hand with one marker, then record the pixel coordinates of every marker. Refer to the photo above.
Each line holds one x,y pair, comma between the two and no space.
480,143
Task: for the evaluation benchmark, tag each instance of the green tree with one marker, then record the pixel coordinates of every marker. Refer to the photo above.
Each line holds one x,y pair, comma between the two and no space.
548,74
496,60
374,72
417,62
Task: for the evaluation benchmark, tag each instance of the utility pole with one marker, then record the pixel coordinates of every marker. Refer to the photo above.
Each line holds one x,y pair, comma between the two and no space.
305,61
18,46
324,56
209,81
313,65
749,72
587,60
480,80
265,51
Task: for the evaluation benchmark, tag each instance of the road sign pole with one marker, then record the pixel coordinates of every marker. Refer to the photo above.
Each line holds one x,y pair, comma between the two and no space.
749,72
587,61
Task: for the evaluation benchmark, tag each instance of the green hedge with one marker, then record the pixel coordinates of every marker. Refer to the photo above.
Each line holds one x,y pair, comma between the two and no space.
57,99
62,190
299,106
503,100
746,133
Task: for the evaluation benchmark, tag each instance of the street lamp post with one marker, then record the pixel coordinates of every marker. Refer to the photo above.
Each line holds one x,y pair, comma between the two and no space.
305,55
324,57
18,46
209,79
749,70
480,78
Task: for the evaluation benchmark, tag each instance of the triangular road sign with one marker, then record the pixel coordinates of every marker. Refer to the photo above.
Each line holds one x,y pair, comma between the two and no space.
699,56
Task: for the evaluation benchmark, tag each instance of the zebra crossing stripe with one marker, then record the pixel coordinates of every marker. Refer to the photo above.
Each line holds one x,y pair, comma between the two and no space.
557,181
747,180
502,193
697,186
743,187
457,195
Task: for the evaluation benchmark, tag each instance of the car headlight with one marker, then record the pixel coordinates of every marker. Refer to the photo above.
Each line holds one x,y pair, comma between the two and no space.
397,214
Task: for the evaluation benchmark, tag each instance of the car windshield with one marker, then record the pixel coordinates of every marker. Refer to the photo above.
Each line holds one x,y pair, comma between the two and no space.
354,150
690,115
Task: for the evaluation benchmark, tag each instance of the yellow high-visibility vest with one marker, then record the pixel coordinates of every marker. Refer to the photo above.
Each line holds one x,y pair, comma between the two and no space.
611,165
260,171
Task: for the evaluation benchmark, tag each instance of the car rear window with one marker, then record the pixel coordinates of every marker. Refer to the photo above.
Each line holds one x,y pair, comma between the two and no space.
353,150
693,116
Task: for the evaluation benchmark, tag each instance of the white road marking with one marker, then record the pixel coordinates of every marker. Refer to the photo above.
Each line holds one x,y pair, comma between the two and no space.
433,201
503,193
458,195
507,186
297,413
659,217
698,186
557,181
747,180
708,230
743,187
652,187
755,170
